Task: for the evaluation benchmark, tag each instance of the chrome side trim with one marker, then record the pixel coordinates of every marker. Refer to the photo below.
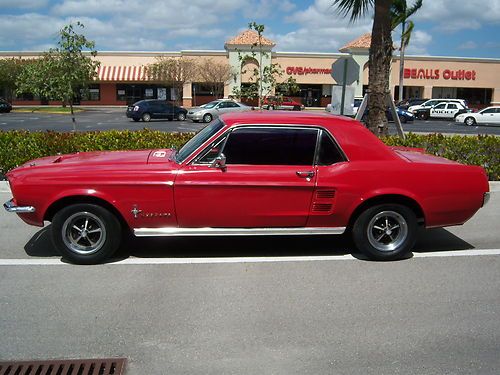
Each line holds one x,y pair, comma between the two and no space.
11,207
174,231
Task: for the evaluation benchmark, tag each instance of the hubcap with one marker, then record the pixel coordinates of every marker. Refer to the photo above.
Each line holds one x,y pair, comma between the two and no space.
84,233
470,122
387,231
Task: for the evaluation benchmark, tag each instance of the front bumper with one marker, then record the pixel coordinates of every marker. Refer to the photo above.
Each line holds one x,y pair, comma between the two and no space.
197,116
10,206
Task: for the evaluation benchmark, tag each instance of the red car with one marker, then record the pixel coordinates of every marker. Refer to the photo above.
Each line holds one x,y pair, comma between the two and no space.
273,102
252,173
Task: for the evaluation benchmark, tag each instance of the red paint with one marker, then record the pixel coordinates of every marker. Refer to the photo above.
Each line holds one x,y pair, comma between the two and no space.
448,193
456,75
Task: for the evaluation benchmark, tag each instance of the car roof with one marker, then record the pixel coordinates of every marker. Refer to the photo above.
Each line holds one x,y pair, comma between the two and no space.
356,140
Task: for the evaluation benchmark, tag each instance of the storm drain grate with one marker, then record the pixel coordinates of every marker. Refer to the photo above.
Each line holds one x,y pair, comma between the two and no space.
106,366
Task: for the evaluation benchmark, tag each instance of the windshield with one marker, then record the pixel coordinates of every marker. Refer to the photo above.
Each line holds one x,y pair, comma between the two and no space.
200,138
210,105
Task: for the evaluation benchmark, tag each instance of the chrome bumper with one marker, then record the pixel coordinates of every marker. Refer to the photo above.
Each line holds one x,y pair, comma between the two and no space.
11,207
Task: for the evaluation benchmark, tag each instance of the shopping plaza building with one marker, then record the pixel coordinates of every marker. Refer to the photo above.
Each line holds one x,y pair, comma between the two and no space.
122,77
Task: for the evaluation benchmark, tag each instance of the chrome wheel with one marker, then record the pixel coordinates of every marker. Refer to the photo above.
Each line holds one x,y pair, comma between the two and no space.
181,117
83,233
387,230
207,118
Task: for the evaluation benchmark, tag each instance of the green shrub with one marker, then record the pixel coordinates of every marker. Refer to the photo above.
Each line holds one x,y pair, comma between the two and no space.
17,147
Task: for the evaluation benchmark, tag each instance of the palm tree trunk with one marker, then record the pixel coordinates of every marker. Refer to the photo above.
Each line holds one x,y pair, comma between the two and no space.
379,67
402,62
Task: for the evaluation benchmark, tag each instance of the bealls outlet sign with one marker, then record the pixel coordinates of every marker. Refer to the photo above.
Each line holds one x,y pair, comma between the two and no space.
456,75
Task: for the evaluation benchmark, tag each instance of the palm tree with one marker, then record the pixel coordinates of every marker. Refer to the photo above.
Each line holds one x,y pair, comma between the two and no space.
400,13
380,58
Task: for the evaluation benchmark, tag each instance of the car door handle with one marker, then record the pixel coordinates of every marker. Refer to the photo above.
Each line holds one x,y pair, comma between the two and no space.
305,174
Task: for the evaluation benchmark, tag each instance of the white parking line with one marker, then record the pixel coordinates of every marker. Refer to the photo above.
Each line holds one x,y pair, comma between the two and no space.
222,260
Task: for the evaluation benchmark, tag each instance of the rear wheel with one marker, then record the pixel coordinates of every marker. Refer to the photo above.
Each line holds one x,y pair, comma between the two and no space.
385,232
470,121
402,119
146,117
86,233
270,107
181,116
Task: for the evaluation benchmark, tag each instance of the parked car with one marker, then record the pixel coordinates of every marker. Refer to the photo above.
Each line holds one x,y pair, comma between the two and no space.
148,109
405,104
355,106
5,106
490,115
404,115
444,110
433,102
208,112
274,102
249,174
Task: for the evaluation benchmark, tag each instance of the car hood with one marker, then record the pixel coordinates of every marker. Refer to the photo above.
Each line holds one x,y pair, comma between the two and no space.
99,158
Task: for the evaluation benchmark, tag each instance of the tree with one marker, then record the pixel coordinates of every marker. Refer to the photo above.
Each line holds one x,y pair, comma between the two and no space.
9,71
380,55
62,72
215,74
264,80
400,12
173,72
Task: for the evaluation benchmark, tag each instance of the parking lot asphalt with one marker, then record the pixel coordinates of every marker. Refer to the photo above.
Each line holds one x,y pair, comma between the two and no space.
115,119
259,305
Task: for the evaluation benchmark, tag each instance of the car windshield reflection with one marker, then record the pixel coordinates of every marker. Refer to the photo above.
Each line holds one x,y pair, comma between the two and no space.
200,138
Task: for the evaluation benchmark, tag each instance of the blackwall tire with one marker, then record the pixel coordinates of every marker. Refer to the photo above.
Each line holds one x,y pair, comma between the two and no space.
385,232
470,121
402,119
86,233
181,117
146,117
207,118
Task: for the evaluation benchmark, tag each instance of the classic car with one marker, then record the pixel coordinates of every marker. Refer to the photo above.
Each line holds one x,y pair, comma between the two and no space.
249,173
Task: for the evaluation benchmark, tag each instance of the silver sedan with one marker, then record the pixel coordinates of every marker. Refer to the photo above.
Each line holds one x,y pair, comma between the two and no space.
207,112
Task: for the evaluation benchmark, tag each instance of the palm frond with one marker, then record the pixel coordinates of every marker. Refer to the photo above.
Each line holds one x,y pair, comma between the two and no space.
354,8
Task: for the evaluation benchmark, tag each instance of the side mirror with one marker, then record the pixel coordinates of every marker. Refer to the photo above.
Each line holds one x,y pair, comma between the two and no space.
219,162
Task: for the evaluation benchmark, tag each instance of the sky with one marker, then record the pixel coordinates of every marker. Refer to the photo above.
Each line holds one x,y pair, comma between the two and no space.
442,27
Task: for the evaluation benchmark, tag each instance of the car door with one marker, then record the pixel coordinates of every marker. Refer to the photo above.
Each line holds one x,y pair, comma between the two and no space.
438,111
487,116
268,180
452,109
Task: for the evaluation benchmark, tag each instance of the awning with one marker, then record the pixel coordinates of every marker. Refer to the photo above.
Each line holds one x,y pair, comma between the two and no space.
121,73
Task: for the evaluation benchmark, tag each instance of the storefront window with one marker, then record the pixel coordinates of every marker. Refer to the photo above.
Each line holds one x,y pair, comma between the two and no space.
93,93
132,93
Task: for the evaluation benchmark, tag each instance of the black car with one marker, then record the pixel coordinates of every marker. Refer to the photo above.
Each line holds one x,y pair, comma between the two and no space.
5,106
146,110
405,104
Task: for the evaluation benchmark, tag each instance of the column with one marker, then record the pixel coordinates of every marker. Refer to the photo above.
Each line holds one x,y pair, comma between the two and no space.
187,96
495,98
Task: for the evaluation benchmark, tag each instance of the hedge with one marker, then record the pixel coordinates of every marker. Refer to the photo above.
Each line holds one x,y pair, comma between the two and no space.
17,147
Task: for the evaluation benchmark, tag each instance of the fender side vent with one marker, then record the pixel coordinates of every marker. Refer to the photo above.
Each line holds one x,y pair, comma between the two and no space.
322,207
106,366
325,194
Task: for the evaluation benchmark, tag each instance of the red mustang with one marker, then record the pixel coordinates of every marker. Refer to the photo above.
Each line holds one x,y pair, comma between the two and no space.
253,173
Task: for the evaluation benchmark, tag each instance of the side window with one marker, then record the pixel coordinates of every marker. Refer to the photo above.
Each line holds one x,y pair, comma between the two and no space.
452,106
271,146
491,110
440,106
232,105
212,151
328,152
223,105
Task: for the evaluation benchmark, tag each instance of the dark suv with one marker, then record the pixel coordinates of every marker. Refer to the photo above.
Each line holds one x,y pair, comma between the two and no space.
146,110
5,106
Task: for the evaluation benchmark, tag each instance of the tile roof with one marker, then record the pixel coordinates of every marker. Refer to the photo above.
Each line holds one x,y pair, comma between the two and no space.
363,41
249,37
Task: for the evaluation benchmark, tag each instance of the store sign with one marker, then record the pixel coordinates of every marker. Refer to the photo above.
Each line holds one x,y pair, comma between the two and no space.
455,75
302,70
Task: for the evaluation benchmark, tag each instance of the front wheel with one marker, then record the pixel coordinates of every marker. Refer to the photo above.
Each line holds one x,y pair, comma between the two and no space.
470,121
146,117
86,233
385,232
181,116
207,117
402,119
